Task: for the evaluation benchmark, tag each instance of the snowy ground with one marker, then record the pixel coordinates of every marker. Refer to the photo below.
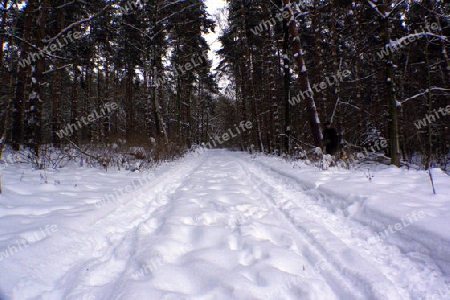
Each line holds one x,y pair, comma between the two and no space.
224,226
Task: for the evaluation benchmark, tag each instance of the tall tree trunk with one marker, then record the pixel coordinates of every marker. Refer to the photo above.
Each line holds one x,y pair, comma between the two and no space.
357,59
36,98
336,65
5,113
286,87
74,97
445,59
99,136
313,116
159,121
390,93
107,121
56,109
319,68
88,129
129,128
429,148
56,90
4,15
18,125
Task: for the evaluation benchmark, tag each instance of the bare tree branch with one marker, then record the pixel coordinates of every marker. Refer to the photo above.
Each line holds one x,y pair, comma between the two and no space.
52,40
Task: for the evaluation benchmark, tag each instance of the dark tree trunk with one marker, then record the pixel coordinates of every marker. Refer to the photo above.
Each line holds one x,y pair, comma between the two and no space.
18,126
313,117
129,130
74,98
390,93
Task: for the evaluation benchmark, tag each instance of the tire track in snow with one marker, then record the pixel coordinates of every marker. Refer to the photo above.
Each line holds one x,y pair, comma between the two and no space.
322,245
394,263
113,238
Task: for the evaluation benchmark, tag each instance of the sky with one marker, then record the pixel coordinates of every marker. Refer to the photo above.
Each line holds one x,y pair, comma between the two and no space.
216,10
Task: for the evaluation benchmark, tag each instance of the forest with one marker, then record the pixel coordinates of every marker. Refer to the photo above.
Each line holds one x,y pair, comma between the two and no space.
225,149
109,81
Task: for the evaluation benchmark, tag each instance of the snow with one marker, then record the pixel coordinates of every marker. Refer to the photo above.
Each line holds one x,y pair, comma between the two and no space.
224,225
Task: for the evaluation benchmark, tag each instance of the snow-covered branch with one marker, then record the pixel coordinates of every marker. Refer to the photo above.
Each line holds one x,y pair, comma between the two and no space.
395,7
375,7
424,93
175,13
71,26
65,4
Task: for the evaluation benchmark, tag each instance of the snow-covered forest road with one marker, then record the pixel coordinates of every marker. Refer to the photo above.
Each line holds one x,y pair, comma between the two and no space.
216,226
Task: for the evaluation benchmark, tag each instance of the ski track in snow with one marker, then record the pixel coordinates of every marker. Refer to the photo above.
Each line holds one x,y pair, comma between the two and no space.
344,242
217,226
